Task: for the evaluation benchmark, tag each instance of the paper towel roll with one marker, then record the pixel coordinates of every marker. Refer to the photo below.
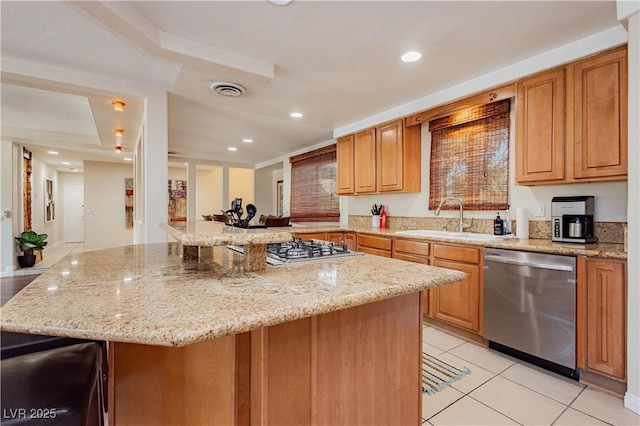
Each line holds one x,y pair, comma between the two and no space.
522,223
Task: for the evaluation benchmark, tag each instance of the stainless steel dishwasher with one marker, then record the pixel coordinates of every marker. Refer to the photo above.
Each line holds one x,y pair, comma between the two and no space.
530,307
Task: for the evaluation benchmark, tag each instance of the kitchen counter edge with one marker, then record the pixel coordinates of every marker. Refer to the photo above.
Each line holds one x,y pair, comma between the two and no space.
606,250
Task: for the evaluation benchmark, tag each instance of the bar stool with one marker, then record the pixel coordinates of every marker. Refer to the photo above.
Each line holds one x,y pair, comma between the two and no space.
61,386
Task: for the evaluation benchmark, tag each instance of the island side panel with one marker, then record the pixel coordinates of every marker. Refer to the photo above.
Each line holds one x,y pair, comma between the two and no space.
359,366
368,364
281,374
153,385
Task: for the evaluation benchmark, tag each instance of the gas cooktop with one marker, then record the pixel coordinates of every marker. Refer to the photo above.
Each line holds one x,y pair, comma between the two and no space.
299,250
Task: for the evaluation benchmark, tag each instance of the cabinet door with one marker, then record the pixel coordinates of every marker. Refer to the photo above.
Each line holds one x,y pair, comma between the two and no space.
414,251
390,157
345,163
351,240
335,237
540,128
365,161
606,317
600,116
458,303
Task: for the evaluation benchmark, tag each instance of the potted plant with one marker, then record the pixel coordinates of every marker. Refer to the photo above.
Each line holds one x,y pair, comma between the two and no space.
29,241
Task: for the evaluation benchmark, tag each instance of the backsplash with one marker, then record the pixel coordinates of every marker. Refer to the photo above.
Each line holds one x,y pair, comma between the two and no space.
607,232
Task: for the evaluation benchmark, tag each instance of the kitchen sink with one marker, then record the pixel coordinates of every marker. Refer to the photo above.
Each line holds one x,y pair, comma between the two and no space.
448,234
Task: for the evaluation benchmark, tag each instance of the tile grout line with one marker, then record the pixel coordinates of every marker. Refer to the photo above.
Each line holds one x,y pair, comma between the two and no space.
490,407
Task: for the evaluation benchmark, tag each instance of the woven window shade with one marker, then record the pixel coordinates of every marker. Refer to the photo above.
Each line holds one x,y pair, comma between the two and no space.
470,158
313,186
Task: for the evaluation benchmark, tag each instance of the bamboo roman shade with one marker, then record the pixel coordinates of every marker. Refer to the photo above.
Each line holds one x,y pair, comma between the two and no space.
470,158
313,186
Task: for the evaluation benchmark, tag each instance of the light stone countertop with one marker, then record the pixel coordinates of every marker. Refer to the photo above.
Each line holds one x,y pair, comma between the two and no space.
146,294
210,233
608,250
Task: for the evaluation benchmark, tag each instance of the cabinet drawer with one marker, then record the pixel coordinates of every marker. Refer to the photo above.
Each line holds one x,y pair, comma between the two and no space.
381,243
411,257
311,235
420,248
377,252
461,254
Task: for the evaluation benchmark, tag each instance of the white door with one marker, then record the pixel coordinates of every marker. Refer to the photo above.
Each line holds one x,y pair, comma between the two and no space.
73,212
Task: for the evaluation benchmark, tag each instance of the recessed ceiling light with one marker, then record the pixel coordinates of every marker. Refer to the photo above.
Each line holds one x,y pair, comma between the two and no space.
118,149
118,105
247,140
73,169
232,148
411,56
280,2
66,163
119,132
53,152
127,159
296,115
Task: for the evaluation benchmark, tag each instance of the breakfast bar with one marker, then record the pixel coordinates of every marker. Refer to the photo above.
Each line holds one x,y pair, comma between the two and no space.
205,341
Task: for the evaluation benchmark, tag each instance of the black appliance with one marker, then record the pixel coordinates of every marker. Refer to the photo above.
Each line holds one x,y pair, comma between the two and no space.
572,219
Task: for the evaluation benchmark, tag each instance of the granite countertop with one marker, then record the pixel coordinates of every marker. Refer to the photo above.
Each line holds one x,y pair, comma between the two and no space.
146,294
614,251
209,234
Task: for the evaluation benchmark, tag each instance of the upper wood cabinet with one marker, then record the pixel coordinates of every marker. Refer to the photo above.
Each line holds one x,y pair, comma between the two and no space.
601,316
365,161
344,157
571,123
600,116
386,158
540,128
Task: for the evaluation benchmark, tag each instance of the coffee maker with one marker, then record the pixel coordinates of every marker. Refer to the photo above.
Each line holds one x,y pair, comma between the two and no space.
572,219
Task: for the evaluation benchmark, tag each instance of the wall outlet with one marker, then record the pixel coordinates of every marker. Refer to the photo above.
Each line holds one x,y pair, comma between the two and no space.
538,211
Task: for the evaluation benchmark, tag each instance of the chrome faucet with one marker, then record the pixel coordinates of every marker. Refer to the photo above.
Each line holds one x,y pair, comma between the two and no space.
461,224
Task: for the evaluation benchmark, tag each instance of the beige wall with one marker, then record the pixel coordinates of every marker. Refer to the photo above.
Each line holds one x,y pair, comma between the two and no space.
208,191
265,190
240,185
104,205
42,171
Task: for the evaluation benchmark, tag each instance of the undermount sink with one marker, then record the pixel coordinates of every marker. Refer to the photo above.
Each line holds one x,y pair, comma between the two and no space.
448,234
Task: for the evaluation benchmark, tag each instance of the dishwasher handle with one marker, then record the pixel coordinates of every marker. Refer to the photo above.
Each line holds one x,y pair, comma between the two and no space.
541,265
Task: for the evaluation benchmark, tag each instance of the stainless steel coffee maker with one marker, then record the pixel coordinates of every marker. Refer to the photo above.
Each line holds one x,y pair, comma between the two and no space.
572,219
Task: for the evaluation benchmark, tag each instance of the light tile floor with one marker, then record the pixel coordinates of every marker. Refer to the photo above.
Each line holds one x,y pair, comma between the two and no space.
502,390
50,256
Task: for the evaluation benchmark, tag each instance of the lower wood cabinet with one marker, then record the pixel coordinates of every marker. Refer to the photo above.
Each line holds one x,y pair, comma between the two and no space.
414,251
601,316
349,238
311,235
372,244
459,303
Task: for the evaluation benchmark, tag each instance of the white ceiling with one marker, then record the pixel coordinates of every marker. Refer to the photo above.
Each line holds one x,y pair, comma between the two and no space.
335,61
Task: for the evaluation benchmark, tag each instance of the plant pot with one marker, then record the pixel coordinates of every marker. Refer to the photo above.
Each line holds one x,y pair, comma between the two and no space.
27,260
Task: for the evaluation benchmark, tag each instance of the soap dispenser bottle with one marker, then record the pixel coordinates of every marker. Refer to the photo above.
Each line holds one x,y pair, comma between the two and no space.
383,218
498,226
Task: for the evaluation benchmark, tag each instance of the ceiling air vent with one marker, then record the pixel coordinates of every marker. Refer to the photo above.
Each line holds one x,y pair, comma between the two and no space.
227,88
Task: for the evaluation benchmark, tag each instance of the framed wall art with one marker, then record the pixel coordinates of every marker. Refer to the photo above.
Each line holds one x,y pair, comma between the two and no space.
49,204
279,198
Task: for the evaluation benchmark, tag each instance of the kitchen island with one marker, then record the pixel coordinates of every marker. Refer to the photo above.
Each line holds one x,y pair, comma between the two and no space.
206,342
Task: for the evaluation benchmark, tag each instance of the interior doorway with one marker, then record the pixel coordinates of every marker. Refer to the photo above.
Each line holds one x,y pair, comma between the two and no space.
73,212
